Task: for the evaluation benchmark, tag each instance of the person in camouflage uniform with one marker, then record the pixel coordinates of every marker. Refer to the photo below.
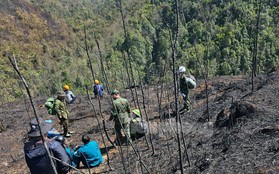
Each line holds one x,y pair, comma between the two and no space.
184,87
120,113
62,112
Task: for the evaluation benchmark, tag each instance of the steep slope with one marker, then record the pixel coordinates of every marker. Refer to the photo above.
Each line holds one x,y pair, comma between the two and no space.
35,39
241,137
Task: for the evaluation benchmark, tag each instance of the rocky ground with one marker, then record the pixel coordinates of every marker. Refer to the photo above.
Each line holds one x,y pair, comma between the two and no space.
241,135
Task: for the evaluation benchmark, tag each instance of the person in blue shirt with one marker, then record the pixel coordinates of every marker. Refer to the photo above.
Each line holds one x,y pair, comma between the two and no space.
89,153
98,89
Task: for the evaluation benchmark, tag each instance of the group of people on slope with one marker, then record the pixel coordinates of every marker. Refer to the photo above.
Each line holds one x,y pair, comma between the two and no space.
121,110
68,97
39,148
89,153
48,156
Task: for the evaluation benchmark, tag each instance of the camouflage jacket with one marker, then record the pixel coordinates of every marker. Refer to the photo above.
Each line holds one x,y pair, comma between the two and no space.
61,109
121,110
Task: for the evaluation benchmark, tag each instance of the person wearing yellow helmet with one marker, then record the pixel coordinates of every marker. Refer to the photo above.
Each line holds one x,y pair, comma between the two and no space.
96,82
66,87
70,97
97,89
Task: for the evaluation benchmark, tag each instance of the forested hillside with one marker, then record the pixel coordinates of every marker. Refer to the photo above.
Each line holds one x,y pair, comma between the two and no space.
55,42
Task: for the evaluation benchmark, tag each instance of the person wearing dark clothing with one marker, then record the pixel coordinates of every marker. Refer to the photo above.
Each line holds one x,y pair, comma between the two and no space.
186,82
36,156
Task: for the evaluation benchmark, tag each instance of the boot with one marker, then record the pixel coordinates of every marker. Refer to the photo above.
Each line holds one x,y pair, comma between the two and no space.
184,109
71,132
68,135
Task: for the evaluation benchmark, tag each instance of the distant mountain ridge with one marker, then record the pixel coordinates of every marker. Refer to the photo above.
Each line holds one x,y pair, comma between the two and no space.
54,40
34,37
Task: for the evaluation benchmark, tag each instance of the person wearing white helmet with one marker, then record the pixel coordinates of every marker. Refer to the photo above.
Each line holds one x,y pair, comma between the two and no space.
181,69
186,82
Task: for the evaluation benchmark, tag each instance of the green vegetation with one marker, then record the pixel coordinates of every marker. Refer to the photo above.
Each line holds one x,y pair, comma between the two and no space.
48,40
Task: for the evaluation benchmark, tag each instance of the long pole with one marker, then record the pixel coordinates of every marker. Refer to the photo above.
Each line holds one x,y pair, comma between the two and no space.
98,121
255,43
14,64
178,117
147,119
130,62
93,77
108,85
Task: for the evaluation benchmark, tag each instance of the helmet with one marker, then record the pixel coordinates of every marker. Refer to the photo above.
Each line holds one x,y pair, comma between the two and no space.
136,112
66,87
114,92
60,139
60,94
181,69
96,82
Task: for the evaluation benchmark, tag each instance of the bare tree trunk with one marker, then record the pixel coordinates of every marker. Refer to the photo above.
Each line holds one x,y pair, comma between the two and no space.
178,117
106,81
255,44
147,119
99,125
14,64
129,61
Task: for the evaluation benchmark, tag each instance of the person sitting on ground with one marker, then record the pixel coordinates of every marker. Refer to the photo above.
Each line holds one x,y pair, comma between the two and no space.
138,126
97,89
36,156
61,139
89,153
70,97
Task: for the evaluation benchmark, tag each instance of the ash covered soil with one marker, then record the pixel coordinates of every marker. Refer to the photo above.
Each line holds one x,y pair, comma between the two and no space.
242,135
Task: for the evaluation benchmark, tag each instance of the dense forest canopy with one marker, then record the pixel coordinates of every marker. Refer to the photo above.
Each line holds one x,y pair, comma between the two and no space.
53,41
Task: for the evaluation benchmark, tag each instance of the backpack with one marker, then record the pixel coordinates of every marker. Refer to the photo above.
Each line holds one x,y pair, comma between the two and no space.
49,104
138,127
191,82
95,89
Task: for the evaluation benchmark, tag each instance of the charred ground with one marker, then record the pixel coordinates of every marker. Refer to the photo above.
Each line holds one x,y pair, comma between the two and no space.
241,136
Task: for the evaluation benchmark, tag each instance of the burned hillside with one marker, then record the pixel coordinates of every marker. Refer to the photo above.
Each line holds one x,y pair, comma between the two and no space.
241,135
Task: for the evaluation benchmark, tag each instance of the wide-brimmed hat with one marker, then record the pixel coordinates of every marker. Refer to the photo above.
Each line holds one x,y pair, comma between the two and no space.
114,92
136,111
61,94
35,132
